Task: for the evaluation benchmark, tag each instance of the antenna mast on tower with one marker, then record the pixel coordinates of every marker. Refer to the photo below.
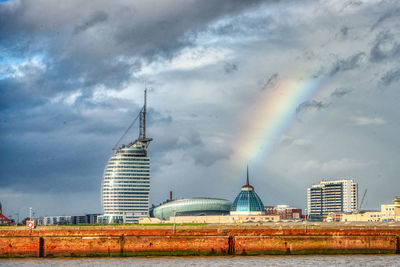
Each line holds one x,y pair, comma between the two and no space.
142,121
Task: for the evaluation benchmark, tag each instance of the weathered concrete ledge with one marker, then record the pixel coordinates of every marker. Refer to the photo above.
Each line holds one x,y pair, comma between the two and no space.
252,239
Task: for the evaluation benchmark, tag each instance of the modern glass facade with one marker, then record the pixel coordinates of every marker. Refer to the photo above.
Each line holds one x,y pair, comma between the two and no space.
192,207
247,202
126,185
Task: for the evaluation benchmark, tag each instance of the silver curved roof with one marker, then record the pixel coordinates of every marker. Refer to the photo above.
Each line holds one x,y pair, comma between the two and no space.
168,209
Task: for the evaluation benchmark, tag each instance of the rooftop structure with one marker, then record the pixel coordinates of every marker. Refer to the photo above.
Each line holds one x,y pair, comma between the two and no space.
247,202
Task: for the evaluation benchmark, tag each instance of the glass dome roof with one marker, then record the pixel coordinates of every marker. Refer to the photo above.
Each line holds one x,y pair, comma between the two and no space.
247,200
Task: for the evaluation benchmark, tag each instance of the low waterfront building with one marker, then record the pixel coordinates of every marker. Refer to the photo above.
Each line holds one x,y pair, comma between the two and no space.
332,197
53,220
388,213
67,220
285,212
192,207
247,207
223,219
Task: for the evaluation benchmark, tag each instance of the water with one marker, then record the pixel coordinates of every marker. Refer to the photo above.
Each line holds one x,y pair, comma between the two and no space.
340,260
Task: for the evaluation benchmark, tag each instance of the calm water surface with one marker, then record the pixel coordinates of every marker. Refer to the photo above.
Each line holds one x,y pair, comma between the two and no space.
354,260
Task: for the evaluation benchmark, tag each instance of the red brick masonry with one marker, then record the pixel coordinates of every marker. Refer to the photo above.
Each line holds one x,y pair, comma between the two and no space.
221,239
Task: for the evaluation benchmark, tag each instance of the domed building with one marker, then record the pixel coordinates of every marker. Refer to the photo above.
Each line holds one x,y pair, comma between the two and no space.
247,208
247,202
193,207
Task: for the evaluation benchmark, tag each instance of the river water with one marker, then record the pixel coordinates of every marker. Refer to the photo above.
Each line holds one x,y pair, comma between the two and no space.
340,260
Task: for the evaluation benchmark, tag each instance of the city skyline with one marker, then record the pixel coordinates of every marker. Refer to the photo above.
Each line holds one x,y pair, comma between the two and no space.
299,91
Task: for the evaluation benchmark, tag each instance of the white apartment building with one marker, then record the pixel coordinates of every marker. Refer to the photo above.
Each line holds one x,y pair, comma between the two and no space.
334,196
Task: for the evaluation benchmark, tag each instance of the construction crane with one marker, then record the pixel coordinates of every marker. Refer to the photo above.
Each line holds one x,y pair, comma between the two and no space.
362,201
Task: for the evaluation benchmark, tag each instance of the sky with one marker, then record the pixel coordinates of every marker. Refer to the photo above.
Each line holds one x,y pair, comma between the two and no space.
299,90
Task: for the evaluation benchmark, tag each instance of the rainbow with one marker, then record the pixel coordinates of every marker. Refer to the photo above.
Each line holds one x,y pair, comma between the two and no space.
271,116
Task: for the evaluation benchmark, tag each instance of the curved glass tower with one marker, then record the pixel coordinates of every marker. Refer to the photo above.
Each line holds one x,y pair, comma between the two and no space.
126,180
247,202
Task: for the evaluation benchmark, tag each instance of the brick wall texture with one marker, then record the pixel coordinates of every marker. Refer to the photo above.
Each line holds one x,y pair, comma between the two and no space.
122,240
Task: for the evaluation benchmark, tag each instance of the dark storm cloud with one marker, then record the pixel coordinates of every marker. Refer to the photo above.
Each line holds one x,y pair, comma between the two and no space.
15,94
61,150
392,13
101,45
81,47
271,81
230,67
386,47
344,31
225,29
349,63
340,92
54,165
314,104
351,3
390,77
190,143
93,20
170,139
207,157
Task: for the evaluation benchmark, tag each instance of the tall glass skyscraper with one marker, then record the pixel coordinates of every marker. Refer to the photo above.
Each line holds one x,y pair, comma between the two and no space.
126,180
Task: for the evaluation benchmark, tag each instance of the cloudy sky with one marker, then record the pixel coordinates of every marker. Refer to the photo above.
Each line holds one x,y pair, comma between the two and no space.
299,90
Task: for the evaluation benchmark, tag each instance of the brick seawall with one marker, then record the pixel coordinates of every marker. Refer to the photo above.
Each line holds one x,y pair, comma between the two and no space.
198,240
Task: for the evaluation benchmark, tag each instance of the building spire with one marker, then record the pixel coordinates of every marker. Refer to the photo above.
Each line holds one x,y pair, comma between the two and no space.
247,185
247,182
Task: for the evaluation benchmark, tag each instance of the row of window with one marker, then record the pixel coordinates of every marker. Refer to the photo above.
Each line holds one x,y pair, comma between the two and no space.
124,181
128,203
131,153
129,178
132,196
126,174
131,187
116,186
133,167
125,208
124,201
112,211
109,202
125,194
123,171
121,162
129,159
109,188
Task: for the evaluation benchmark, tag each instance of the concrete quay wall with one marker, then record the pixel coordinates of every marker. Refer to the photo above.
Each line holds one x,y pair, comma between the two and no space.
200,240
